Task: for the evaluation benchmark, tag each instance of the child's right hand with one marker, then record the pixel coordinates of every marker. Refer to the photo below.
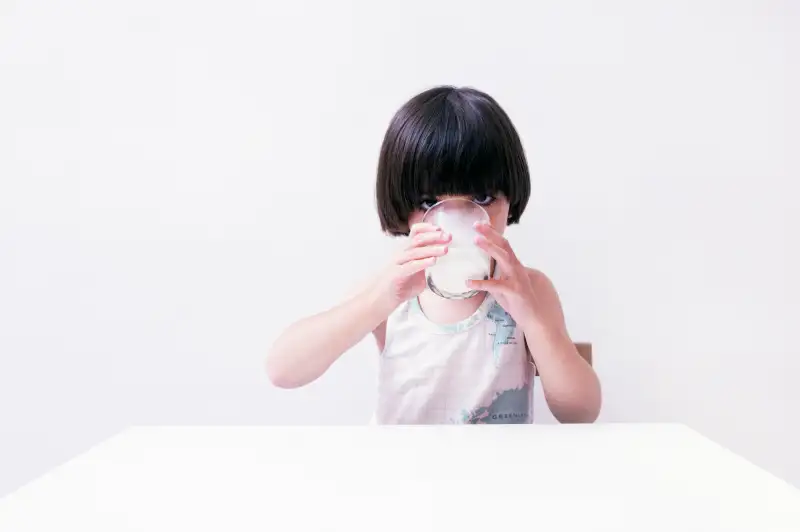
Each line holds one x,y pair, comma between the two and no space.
405,277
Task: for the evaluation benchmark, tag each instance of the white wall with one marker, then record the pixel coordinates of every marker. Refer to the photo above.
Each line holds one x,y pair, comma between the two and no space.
180,180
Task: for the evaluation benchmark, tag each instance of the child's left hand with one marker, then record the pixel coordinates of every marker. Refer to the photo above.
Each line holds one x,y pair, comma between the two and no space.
572,389
513,289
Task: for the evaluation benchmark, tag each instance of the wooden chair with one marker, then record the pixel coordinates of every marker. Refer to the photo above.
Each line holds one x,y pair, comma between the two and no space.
584,350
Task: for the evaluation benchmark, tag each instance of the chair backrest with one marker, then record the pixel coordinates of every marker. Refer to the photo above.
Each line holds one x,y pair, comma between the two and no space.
584,350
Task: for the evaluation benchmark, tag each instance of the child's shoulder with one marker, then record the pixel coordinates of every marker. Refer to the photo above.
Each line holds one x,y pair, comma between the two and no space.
544,288
538,278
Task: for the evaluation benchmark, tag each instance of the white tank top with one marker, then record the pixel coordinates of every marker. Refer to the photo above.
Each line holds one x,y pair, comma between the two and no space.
475,371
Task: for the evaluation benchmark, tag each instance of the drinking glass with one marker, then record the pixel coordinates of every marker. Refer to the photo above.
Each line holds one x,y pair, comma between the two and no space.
464,259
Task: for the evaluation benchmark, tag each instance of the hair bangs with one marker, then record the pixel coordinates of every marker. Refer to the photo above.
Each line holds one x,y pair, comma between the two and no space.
449,142
459,153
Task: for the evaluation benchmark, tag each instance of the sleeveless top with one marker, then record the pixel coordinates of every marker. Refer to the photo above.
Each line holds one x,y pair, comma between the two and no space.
474,371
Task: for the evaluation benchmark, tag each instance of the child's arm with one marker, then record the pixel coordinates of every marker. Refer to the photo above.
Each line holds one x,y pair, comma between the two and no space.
308,347
571,387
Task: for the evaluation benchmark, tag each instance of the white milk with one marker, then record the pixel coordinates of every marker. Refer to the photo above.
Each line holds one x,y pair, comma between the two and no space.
451,272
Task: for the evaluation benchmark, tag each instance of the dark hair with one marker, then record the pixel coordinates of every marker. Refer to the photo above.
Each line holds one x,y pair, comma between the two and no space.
449,141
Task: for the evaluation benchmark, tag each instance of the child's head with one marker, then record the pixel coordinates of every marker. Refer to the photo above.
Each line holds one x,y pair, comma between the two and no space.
451,142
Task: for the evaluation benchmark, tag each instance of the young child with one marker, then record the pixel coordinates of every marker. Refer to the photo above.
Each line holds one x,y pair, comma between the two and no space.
450,361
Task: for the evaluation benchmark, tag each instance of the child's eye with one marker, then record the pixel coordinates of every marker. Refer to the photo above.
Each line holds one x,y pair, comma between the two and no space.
427,203
483,199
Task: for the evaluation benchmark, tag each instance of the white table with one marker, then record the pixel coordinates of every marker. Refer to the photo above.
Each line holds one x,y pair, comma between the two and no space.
548,478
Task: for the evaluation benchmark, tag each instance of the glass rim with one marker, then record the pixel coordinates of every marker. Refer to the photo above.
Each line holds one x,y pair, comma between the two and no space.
438,203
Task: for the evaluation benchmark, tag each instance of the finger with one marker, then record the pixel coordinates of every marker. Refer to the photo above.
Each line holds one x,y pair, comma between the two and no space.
415,266
422,253
429,238
503,257
491,234
493,286
422,228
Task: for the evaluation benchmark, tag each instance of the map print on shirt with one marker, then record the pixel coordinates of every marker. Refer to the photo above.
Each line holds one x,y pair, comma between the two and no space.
508,407
506,327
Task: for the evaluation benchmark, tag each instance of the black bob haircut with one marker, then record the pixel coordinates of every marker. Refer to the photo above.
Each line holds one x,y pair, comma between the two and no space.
449,141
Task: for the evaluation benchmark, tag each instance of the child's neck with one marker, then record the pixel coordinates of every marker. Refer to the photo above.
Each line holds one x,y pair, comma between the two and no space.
448,311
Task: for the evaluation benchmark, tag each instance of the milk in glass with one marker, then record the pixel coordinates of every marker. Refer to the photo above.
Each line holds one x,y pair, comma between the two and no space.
452,271
464,260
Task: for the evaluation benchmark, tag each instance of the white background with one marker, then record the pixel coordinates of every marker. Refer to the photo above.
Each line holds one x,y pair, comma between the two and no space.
181,180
